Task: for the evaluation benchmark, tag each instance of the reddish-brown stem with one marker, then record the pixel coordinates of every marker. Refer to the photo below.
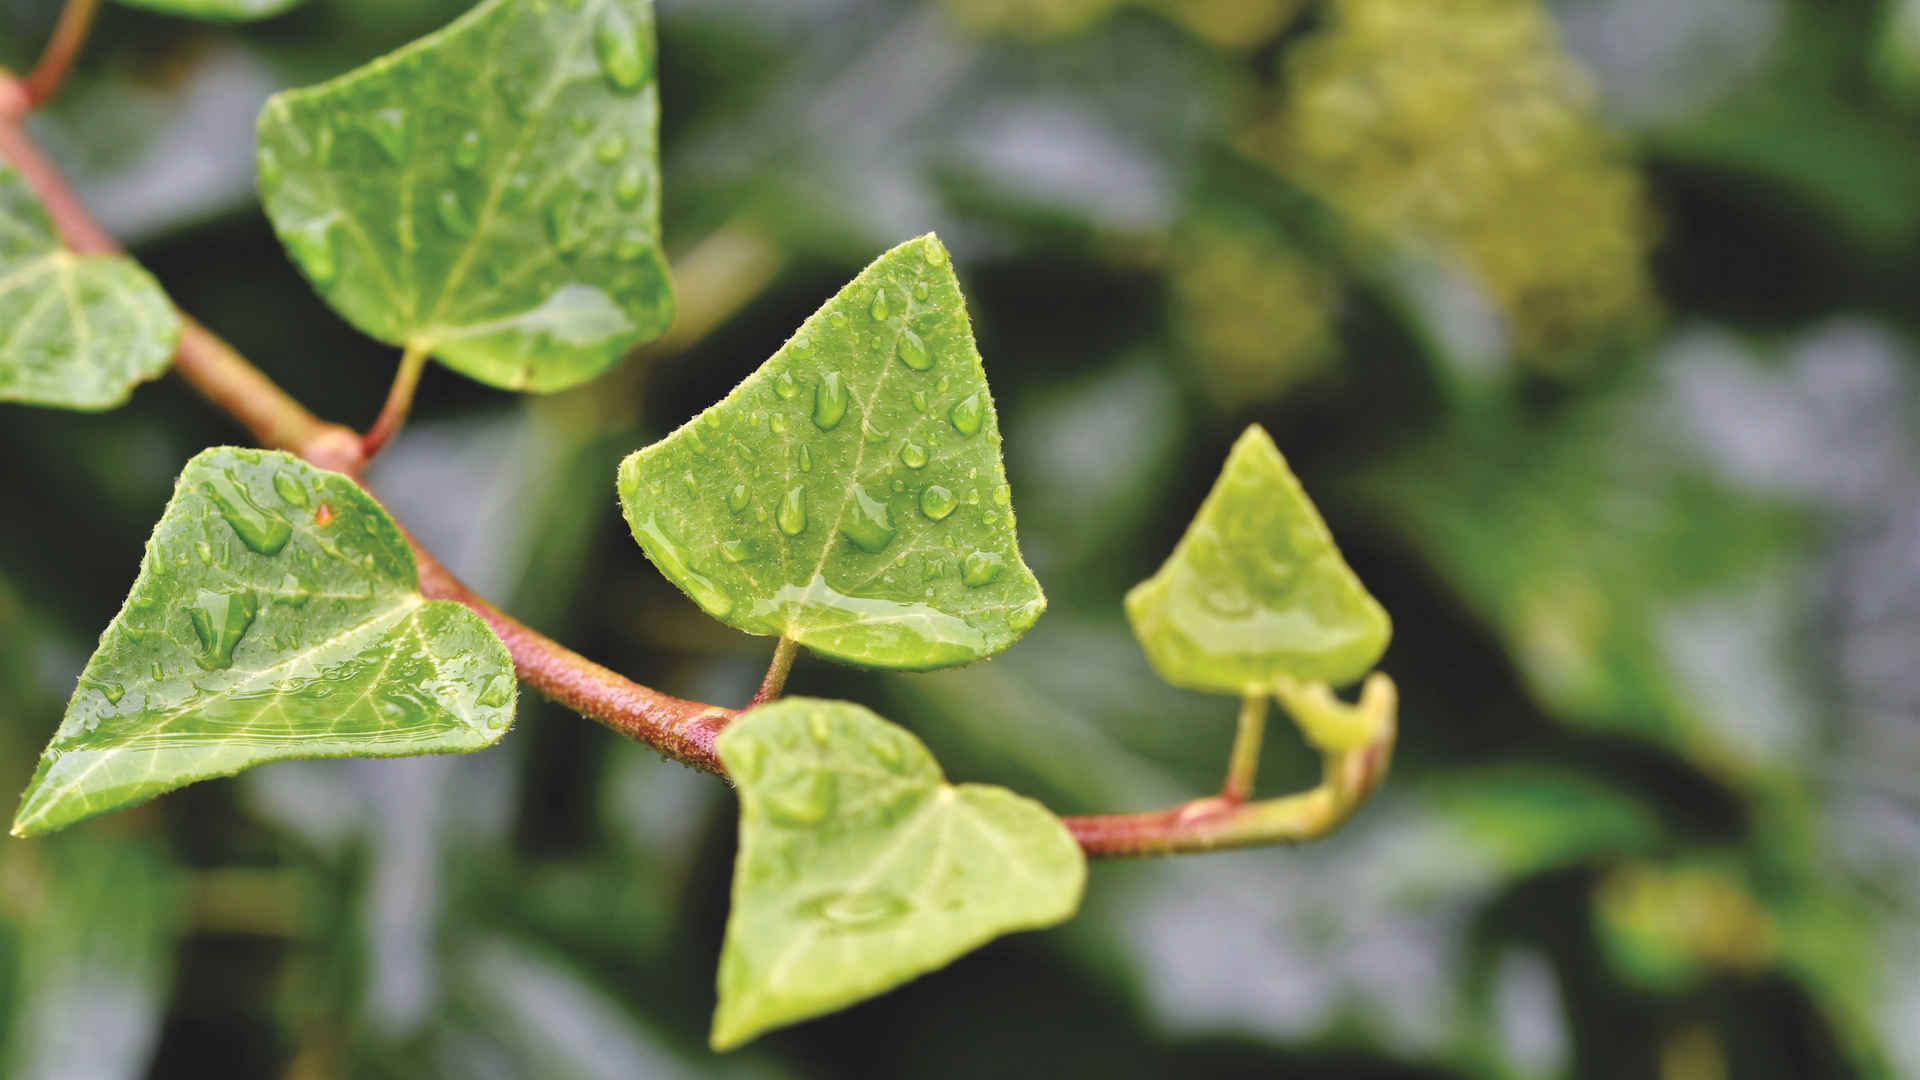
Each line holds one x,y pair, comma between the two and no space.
777,670
399,402
682,729
68,35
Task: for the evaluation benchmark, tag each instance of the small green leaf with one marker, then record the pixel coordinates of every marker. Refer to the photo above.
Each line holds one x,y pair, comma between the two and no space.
1256,590
277,615
860,867
850,493
489,193
76,331
217,10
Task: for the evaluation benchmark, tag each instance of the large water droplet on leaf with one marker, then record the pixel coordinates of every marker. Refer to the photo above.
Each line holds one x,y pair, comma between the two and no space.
967,414
220,620
390,129
913,351
623,58
262,530
829,401
937,502
792,515
867,524
981,568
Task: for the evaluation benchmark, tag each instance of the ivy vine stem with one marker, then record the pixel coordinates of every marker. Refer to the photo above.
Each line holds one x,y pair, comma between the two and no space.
69,33
1244,761
681,729
393,415
777,670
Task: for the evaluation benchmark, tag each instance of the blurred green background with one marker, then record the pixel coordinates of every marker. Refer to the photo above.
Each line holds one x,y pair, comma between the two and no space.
1589,324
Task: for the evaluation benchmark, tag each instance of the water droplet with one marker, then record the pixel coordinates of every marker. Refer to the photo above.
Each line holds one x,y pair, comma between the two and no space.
937,502
913,455
792,515
616,41
967,414
867,524
734,551
980,569
806,459
611,149
499,691
879,308
818,727
934,251
921,402
777,423
220,620
262,530
292,593
887,751
630,186
829,401
859,910
675,561
1021,619
920,290
784,385
453,215
312,247
802,345
390,129
807,802
469,149
738,498
112,691
913,352
692,482
289,488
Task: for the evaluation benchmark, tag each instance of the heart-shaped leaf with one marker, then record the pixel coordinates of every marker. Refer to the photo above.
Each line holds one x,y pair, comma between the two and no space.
76,331
217,10
849,494
489,194
277,615
860,867
1256,590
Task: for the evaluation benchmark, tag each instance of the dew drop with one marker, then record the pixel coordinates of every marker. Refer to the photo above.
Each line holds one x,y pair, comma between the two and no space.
611,149
469,149
452,213
792,515
920,290
829,401
289,488
921,402
805,459
734,551
913,456
784,386
499,691
777,423
1021,619
616,41
262,530
879,308
220,620
629,187
312,247
802,345
913,351
738,498
292,593
967,414
861,910
390,129
980,569
867,524
937,502
112,691
934,251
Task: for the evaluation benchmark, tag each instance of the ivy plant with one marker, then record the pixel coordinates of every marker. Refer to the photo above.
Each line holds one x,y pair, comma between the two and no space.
488,196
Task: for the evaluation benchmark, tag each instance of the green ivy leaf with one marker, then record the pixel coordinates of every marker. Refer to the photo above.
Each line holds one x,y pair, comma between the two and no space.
277,615
76,331
850,494
490,193
860,867
1256,590
217,10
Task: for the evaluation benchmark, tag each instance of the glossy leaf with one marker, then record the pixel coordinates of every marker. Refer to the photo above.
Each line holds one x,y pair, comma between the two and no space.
850,494
277,615
489,193
1256,590
860,867
217,10
76,331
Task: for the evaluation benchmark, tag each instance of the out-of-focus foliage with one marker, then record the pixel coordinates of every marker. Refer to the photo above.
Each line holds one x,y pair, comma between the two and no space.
1653,809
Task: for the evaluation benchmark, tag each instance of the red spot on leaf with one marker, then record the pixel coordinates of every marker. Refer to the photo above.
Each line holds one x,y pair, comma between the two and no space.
323,515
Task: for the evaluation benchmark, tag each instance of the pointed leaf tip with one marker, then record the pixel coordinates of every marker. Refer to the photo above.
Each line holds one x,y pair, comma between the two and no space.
1256,590
850,493
860,867
277,615
490,192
